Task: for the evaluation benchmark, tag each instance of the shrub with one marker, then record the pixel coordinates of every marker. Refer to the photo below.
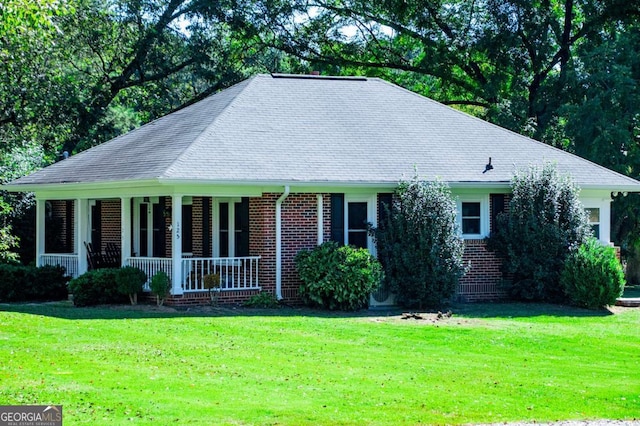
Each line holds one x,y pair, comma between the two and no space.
212,284
20,283
335,277
419,244
130,281
160,285
262,300
593,276
49,283
544,224
96,287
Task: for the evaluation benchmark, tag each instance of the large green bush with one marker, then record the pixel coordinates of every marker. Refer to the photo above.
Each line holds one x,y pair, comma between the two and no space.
160,285
337,277
130,281
544,224
593,276
419,244
19,283
97,287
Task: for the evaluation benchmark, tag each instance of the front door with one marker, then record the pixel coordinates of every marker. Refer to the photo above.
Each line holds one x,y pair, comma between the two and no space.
150,227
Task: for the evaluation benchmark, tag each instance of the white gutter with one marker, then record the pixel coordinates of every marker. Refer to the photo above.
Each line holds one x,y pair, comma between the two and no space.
279,202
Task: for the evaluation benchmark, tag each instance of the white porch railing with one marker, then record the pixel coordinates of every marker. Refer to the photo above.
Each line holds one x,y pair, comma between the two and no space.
68,261
236,273
150,266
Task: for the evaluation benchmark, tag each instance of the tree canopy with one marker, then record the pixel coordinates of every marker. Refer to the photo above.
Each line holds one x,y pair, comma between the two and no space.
75,73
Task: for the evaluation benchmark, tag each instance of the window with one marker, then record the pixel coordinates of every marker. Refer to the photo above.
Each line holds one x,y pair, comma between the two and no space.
471,218
357,221
350,216
231,228
594,220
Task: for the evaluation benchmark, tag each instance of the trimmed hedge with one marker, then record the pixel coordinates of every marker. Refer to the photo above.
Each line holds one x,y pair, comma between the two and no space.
20,283
593,276
337,277
97,287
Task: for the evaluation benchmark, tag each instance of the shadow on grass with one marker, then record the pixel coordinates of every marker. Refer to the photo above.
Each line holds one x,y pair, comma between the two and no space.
66,310
525,310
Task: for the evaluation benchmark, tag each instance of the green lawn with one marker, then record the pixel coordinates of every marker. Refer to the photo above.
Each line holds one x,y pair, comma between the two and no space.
488,363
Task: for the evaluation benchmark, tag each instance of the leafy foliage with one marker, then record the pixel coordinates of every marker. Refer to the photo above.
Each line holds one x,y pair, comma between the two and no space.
264,300
160,286
130,281
97,287
419,244
593,276
337,277
544,224
20,283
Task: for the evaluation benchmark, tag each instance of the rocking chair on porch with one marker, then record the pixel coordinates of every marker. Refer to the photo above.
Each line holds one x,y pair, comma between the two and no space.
110,258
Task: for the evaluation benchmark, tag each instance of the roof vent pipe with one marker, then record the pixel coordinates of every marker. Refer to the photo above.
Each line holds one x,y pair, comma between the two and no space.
279,202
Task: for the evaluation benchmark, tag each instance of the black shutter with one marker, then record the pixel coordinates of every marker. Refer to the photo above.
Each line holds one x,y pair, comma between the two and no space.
242,227
96,226
497,207
206,228
187,228
337,218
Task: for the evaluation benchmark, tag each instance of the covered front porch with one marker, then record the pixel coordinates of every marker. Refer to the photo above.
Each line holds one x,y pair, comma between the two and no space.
187,237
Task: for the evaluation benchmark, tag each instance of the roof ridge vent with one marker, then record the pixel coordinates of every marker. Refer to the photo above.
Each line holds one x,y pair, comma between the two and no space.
319,77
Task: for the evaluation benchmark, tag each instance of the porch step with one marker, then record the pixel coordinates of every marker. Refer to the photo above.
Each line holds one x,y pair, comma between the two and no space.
629,302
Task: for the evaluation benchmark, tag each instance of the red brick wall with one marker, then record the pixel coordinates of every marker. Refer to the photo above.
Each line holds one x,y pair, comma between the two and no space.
299,231
262,237
197,218
482,280
64,227
111,223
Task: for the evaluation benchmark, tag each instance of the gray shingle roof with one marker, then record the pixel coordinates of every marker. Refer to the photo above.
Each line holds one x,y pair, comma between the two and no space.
303,129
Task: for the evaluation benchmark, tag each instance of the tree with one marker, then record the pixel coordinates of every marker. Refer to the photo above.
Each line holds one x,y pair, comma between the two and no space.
544,224
511,58
419,244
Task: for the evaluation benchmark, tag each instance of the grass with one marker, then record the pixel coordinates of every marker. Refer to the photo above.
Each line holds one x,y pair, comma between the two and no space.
488,363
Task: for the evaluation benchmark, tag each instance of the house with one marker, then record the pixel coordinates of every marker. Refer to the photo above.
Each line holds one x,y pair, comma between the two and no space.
239,182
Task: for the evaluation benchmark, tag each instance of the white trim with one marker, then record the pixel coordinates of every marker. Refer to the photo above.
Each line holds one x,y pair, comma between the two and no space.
483,199
320,215
604,204
41,208
125,228
279,202
371,200
176,244
82,214
215,224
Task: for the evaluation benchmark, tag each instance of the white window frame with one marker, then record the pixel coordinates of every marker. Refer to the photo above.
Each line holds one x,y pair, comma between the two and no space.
604,205
215,234
484,215
371,201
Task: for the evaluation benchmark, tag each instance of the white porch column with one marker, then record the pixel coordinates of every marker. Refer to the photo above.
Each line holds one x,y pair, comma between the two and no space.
82,232
125,227
41,208
176,243
320,220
